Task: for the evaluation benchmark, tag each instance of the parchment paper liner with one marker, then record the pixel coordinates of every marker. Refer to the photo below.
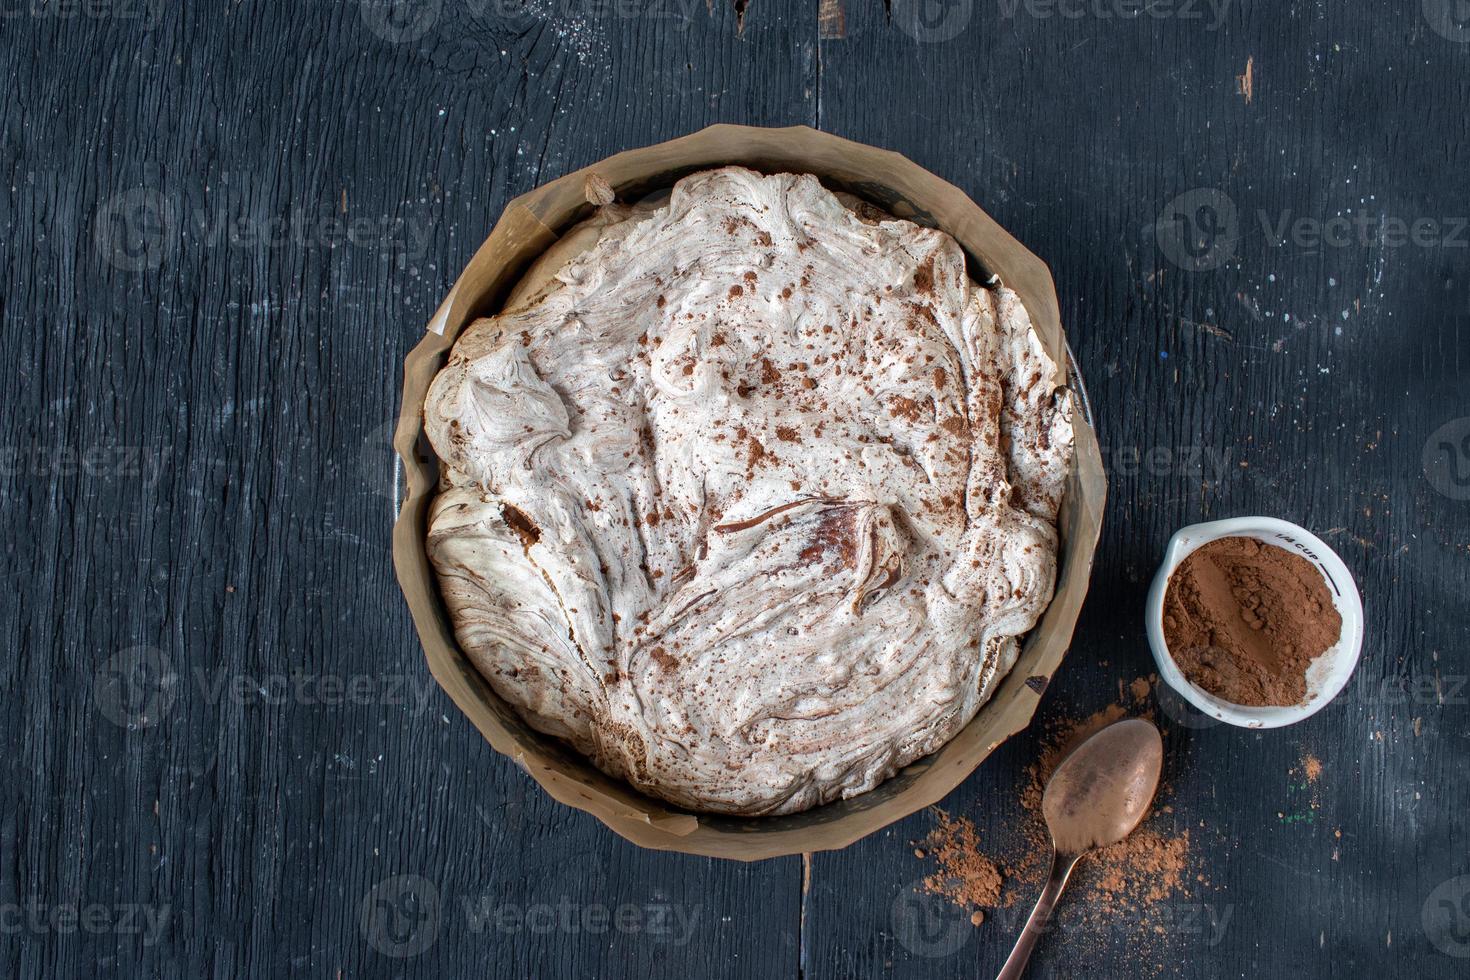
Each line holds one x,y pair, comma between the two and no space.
528,226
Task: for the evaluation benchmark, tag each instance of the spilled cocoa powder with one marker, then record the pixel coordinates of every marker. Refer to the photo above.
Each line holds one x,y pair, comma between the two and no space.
1149,867
965,876
1244,620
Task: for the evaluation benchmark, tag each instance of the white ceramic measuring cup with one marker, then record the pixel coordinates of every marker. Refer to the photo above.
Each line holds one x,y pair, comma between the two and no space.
1328,674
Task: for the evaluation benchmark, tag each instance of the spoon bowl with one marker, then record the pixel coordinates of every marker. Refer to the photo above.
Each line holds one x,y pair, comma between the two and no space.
1102,789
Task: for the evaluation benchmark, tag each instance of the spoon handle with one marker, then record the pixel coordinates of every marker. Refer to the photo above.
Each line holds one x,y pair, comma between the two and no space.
1061,870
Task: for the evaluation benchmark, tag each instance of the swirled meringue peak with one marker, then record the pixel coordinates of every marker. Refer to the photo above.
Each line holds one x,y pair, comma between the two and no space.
752,499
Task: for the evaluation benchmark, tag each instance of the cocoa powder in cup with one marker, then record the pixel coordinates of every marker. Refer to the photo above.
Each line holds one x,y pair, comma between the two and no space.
1244,620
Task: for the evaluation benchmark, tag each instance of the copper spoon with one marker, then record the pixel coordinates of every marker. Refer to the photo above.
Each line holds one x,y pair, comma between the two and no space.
1096,797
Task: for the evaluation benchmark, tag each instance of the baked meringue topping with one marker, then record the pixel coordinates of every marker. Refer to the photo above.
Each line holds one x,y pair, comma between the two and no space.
751,499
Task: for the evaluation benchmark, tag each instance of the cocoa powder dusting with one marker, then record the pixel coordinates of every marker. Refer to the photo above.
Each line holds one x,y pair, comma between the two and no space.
1244,620
1143,868
965,876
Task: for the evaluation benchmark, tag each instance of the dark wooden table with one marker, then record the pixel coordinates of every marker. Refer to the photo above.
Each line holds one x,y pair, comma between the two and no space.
227,222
